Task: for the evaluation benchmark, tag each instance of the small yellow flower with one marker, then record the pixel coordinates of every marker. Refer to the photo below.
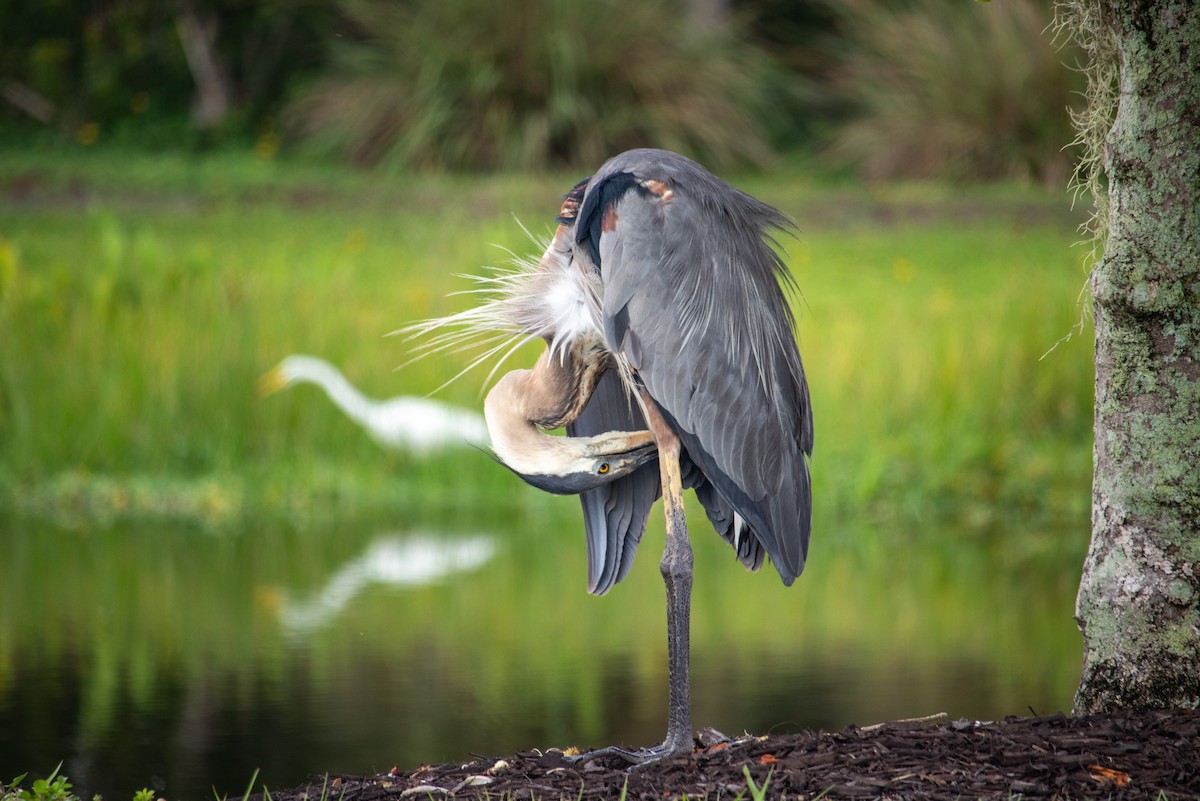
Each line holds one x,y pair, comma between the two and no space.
904,271
88,133
267,146
356,241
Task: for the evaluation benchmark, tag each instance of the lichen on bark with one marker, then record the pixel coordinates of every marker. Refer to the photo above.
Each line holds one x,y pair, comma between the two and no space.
1139,599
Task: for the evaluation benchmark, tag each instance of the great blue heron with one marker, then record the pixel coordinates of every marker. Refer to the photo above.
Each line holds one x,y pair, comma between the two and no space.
662,304
415,424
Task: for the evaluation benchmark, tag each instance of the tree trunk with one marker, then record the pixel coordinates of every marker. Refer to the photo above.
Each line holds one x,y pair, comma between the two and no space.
213,91
708,15
1139,600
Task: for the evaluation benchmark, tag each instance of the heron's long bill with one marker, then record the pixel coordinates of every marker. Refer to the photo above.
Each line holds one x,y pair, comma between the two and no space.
573,465
271,382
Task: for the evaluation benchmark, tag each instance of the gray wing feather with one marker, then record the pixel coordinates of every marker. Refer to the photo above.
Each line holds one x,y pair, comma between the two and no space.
749,550
614,515
692,296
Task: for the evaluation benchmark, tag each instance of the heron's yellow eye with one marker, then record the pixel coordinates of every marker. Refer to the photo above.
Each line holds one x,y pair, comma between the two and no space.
603,468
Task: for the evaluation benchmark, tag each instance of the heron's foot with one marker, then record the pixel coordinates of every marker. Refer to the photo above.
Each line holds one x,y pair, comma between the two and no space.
640,757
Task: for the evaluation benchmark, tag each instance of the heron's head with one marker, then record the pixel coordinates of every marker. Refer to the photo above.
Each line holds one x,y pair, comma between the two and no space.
571,465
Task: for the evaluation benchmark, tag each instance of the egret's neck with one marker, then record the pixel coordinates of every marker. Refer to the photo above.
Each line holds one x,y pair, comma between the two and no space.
356,405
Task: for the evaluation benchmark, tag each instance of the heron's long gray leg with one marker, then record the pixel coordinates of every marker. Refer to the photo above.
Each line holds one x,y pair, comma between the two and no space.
676,568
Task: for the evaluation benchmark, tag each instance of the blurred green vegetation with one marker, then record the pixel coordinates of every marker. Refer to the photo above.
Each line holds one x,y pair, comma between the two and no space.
532,84
139,302
920,88
957,90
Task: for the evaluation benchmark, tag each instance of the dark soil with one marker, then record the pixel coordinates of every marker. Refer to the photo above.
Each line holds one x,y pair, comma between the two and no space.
1122,755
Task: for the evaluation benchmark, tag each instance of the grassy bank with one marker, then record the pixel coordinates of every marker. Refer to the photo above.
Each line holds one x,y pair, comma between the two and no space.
141,297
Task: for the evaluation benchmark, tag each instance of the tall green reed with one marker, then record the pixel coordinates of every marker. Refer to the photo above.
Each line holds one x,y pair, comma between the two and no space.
946,379
133,341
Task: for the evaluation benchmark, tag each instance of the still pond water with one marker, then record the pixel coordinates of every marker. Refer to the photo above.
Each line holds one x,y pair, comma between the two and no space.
186,659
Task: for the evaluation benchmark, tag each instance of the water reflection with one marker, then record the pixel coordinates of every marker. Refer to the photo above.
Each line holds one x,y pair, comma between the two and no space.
144,651
399,561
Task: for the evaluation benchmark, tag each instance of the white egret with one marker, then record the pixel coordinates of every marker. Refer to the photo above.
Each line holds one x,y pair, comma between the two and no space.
410,423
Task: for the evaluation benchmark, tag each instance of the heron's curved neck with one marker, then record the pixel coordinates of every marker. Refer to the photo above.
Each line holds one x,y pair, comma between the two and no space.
524,404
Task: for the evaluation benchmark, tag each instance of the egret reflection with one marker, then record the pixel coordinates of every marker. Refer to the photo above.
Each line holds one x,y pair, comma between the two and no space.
408,561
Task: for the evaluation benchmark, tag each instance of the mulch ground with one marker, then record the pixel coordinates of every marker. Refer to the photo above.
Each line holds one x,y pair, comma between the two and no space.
1118,756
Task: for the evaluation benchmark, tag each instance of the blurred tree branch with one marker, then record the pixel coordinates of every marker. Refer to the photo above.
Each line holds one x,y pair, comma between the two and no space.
198,34
27,100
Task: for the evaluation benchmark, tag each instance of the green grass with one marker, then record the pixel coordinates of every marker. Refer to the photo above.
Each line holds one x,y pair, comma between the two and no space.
140,299
54,787
944,390
57,788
